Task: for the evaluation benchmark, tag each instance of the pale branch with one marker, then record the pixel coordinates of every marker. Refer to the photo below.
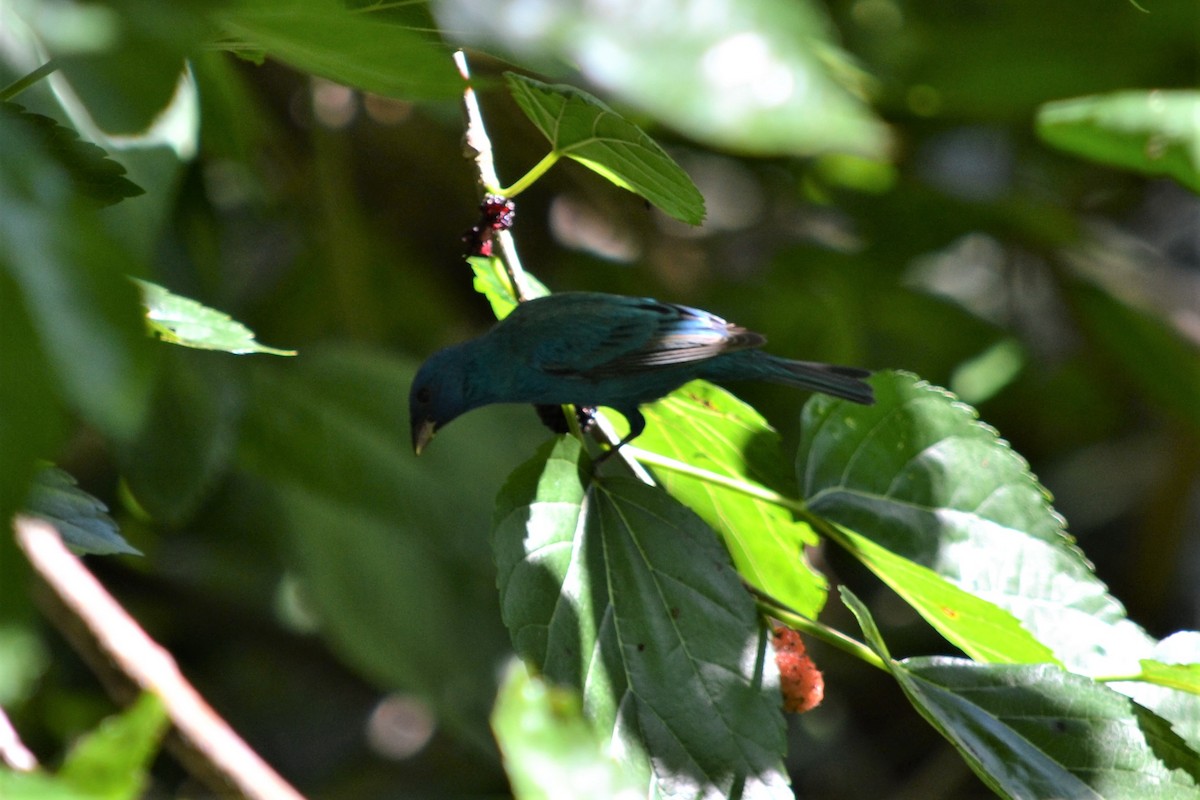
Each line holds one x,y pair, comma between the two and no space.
220,751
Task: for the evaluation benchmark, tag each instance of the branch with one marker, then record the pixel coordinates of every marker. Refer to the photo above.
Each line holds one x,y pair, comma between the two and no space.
13,751
222,755
479,147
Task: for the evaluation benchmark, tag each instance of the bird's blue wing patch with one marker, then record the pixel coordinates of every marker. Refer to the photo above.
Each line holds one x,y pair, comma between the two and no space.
643,334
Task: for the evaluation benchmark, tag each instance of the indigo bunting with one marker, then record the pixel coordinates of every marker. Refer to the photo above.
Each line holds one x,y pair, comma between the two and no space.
592,349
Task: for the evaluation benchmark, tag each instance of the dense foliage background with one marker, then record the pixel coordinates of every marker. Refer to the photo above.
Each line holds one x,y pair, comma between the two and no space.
334,597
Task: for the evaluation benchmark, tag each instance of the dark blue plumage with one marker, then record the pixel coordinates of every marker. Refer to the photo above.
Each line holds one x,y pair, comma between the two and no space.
592,349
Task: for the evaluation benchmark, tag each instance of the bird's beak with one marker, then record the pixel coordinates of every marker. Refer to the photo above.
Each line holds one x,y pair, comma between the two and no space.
422,433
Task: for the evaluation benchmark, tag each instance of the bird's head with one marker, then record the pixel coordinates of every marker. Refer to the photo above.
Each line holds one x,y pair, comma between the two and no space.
438,395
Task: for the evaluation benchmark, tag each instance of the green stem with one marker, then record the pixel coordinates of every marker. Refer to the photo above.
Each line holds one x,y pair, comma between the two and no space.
526,180
1137,676
818,630
748,489
21,84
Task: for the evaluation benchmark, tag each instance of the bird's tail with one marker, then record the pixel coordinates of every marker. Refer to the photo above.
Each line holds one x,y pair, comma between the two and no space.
844,382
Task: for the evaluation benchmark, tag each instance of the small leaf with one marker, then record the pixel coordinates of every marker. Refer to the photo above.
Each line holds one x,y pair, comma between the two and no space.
183,321
111,762
1154,132
581,127
92,172
919,475
81,520
616,590
708,427
1184,677
491,281
364,48
549,749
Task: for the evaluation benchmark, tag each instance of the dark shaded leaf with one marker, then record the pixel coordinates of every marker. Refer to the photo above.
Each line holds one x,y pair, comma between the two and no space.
616,590
1039,731
360,48
81,519
93,174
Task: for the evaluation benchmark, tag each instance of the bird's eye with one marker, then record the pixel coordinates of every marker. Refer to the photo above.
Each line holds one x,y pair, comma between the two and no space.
424,395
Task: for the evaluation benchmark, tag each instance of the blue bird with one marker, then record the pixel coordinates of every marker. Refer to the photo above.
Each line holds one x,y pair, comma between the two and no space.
592,349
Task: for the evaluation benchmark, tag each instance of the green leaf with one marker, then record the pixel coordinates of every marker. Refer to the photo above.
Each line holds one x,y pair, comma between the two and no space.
706,426
31,421
1164,365
125,60
549,749
390,550
491,281
93,174
1184,677
1167,685
1153,132
181,320
919,475
581,127
614,589
190,435
111,762
81,519
363,47
757,76
70,273
1039,731
980,629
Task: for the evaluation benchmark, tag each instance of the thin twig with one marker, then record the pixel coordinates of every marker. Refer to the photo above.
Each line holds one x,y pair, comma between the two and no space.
13,751
148,665
24,82
479,148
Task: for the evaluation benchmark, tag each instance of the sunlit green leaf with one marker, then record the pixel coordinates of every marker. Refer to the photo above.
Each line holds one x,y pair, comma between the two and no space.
918,474
616,590
549,749
1184,677
111,762
492,281
81,519
982,630
581,127
181,320
1156,132
708,427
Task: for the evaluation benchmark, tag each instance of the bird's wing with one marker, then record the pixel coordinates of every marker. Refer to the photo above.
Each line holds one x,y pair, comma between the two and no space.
610,335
